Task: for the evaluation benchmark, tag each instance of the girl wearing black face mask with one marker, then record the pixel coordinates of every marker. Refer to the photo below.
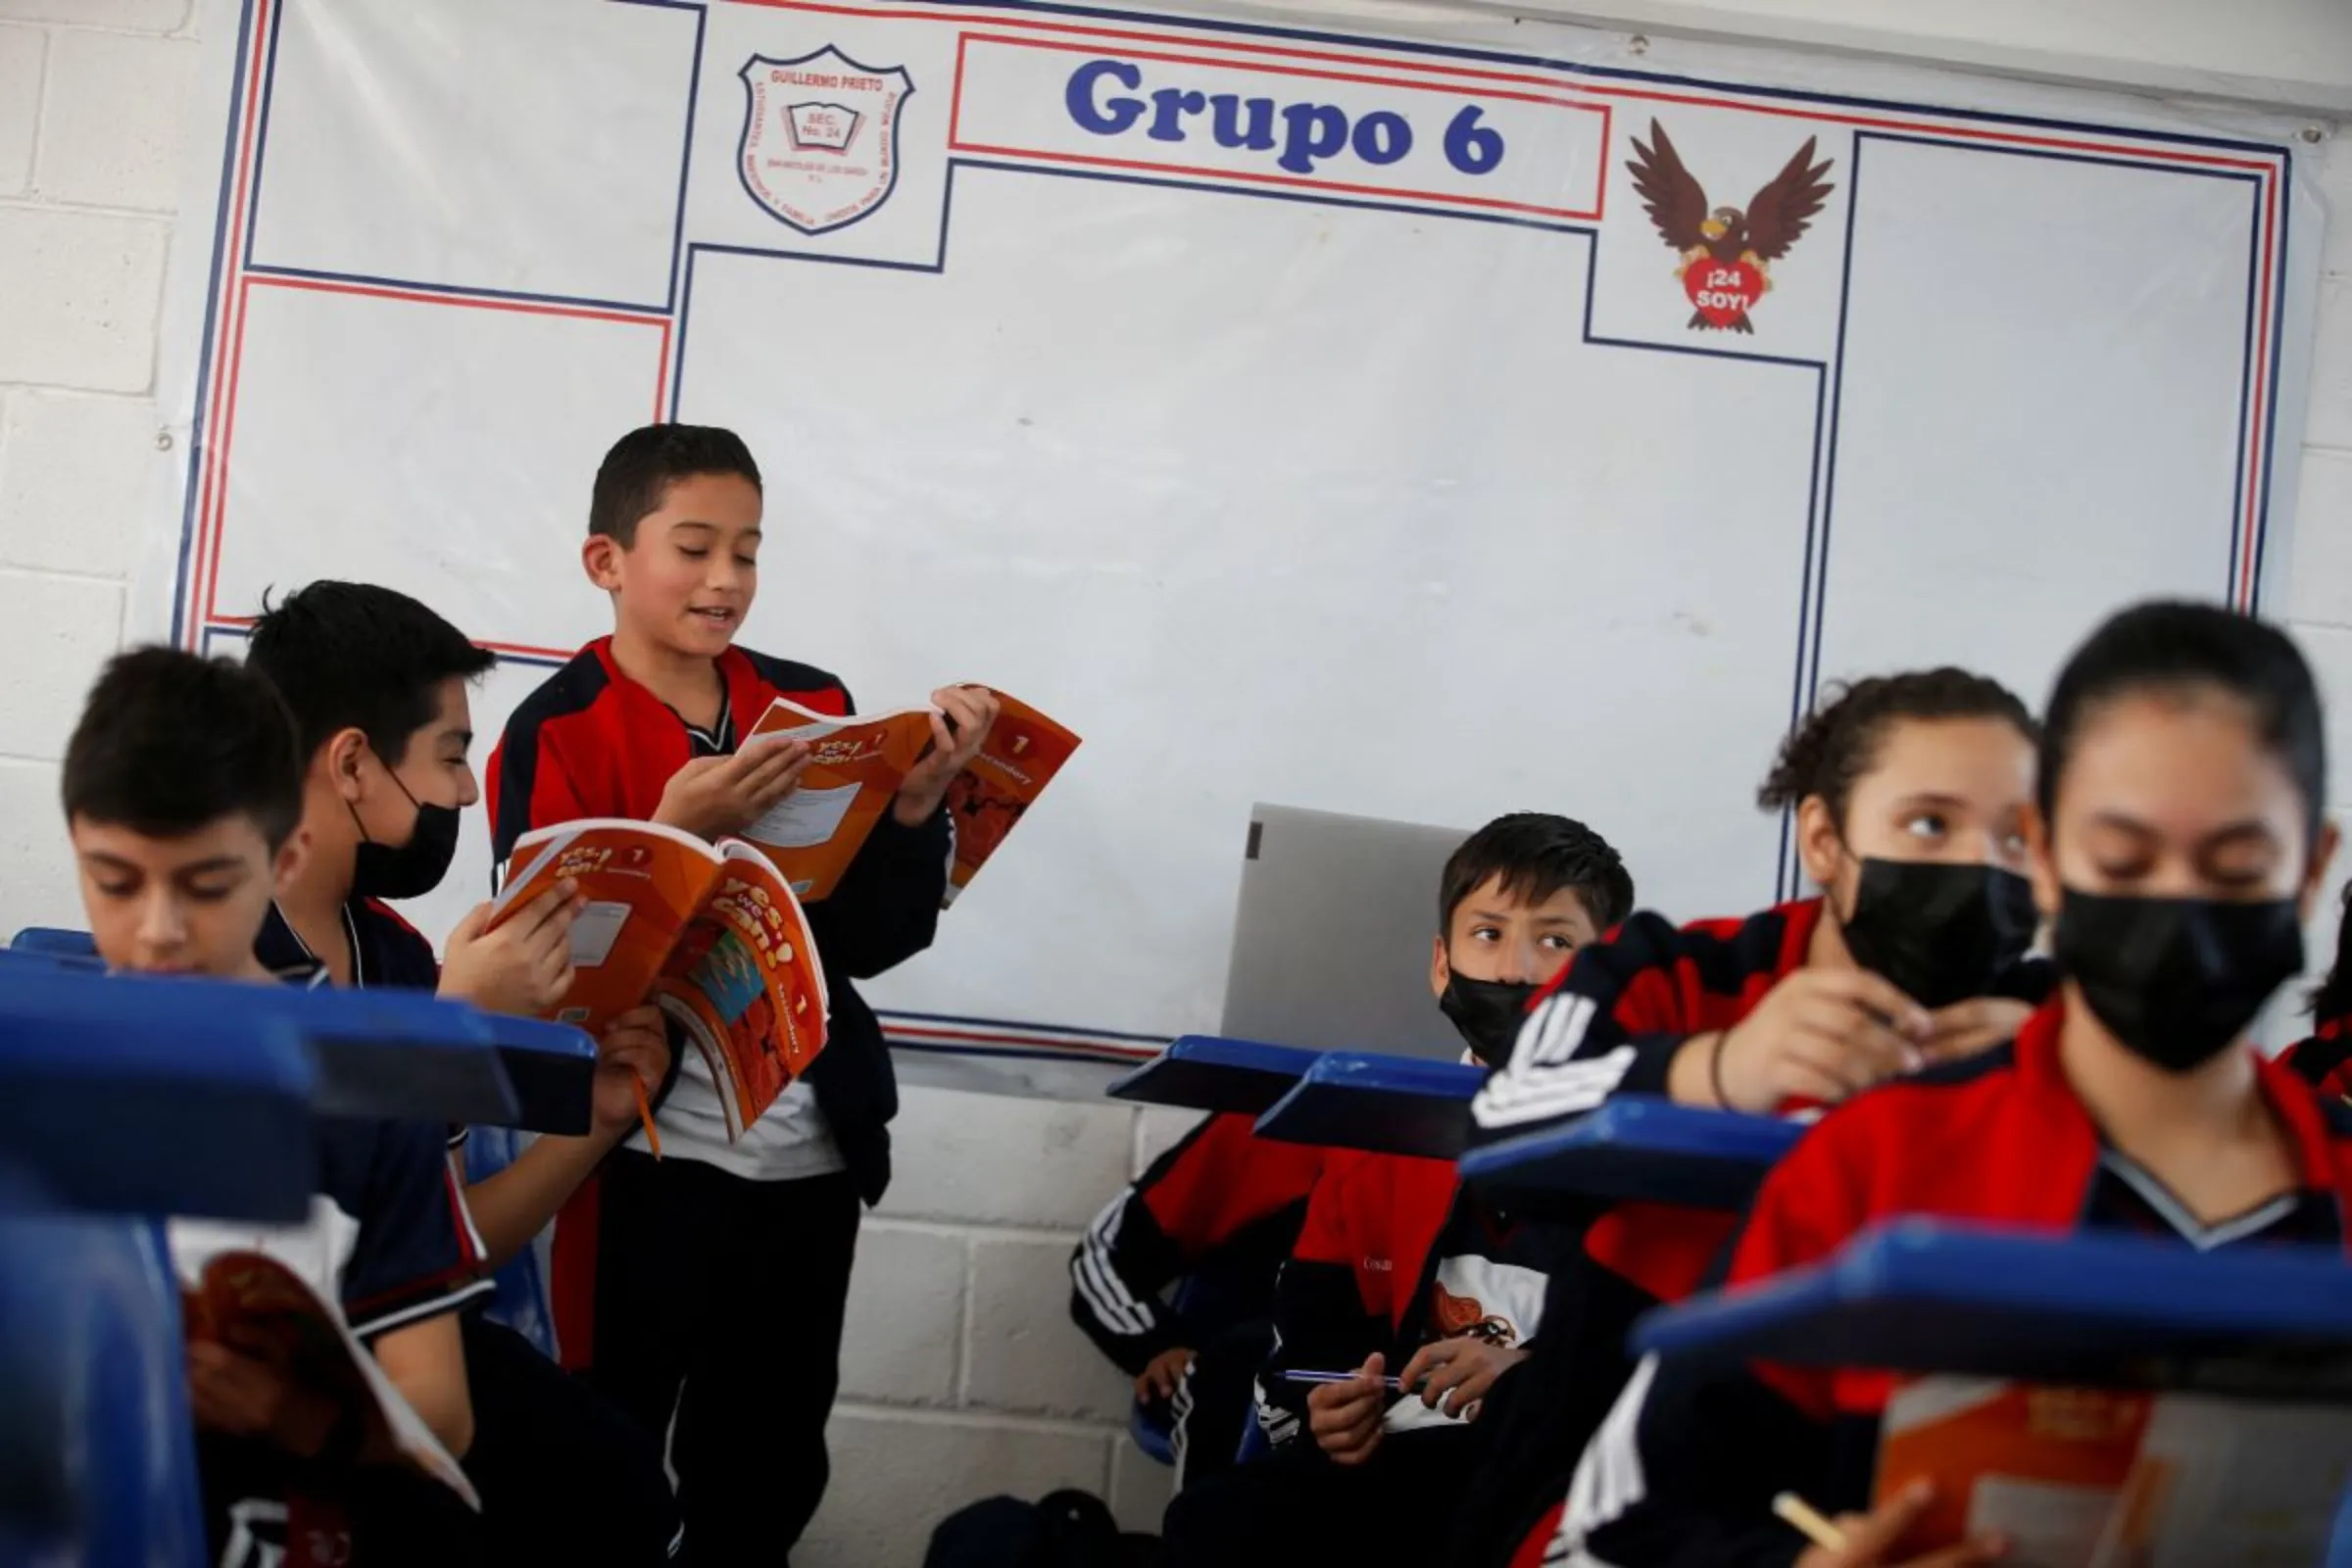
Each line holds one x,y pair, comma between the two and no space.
1909,794
2176,847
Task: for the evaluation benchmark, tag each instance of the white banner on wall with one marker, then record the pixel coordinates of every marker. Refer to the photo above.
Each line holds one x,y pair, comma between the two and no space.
1365,408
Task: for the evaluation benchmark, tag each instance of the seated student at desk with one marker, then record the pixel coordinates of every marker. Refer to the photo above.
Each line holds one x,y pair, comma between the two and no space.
1230,1203
182,789
1396,1266
1223,1204
378,684
1909,793
2179,845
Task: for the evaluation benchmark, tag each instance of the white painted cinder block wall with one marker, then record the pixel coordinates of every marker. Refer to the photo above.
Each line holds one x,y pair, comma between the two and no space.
963,1375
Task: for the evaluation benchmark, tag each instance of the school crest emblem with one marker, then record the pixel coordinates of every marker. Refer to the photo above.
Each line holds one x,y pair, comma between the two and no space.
1727,252
820,137
1464,1317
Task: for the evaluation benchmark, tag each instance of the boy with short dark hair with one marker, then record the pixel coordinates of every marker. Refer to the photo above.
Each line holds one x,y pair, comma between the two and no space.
379,686
646,723
1398,1268
182,793
1521,893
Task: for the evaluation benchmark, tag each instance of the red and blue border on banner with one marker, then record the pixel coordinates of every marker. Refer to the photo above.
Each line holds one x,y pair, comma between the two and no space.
236,274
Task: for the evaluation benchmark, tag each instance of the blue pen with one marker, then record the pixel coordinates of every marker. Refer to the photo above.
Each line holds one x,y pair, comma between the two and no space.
1392,1383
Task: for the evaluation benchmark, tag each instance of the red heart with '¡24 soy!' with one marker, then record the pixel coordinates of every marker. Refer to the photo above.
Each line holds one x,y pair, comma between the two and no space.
1723,291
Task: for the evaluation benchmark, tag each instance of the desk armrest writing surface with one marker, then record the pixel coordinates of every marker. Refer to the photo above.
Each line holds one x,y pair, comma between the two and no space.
389,1053
1385,1104
552,1067
401,1054
1202,1072
34,960
1641,1147
406,1055
54,940
1926,1295
121,1101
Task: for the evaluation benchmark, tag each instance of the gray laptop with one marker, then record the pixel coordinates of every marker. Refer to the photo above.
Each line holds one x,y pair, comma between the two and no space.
1331,938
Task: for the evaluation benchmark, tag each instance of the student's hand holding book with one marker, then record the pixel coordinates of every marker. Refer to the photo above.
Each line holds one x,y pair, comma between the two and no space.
711,797
958,731
521,966
632,1057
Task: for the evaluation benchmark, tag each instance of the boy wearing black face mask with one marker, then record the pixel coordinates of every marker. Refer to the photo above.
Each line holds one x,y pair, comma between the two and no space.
378,684
1398,1271
1514,901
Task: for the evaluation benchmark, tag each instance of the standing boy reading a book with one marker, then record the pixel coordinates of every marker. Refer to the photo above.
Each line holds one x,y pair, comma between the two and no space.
378,684
183,791
708,1288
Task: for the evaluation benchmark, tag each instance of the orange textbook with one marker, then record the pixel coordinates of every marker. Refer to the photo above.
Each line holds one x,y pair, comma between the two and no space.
1023,752
710,934
2105,1477
259,1306
856,766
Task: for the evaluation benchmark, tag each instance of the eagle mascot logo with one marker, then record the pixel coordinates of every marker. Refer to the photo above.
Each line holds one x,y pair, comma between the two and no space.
1727,252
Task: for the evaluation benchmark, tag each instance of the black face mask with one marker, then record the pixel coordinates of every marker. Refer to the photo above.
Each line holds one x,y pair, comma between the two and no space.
1938,934
1487,1013
2177,980
408,870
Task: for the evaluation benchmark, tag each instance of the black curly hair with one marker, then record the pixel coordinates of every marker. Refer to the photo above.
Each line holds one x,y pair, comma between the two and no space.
1839,741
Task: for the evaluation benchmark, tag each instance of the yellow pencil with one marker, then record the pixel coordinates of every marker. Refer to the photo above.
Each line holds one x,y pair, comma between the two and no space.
1807,1521
645,1114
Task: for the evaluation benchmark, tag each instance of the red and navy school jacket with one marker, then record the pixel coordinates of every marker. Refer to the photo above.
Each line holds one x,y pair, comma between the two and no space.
1684,1469
1611,1024
591,742
1393,1255
1223,1199
2324,1059
1614,1018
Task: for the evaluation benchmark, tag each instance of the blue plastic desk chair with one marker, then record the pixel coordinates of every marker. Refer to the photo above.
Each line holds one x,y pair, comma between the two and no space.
101,1118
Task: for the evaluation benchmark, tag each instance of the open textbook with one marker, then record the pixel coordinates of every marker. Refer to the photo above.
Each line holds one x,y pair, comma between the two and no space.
2097,1477
710,934
856,766
250,1301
